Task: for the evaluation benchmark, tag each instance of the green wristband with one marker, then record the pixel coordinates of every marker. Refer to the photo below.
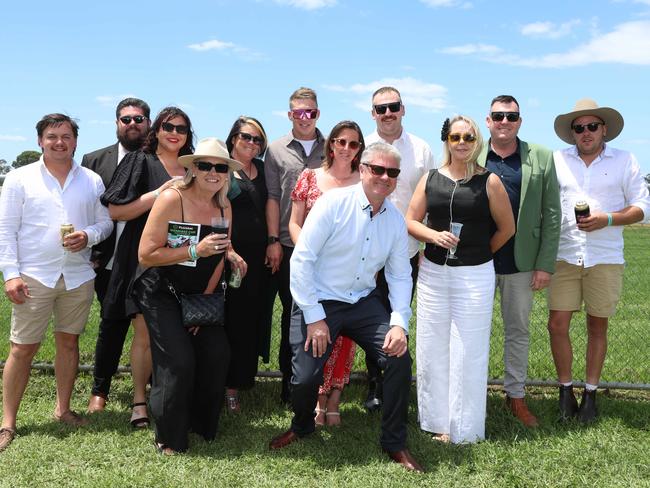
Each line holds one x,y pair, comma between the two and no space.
610,220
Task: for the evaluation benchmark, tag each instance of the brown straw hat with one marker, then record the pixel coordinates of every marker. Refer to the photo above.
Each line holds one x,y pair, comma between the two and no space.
612,118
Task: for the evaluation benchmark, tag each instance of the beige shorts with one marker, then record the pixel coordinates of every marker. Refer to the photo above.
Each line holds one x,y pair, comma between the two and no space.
599,286
29,320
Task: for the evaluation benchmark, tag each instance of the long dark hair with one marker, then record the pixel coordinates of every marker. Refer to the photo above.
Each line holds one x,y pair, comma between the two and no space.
151,141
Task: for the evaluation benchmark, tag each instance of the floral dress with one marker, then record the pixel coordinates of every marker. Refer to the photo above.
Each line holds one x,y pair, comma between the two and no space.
336,372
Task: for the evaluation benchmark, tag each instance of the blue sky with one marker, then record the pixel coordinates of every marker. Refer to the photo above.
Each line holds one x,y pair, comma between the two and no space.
219,59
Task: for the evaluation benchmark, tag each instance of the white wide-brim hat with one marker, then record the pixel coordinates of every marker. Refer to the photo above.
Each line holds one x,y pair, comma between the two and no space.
210,147
612,118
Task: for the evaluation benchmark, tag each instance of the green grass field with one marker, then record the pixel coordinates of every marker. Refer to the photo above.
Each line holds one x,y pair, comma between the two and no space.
613,452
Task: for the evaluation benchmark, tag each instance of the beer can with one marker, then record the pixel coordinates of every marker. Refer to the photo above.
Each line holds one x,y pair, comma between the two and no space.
581,210
235,279
65,230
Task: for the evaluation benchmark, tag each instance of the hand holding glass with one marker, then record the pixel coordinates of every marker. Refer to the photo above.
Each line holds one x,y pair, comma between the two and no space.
454,228
220,225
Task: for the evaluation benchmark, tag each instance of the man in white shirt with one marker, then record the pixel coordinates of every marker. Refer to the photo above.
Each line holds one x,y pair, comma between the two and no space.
590,256
334,287
45,272
132,124
388,111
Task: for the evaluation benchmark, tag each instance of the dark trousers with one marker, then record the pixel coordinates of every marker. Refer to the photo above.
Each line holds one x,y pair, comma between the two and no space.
189,373
279,284
373,368
110,341
366,323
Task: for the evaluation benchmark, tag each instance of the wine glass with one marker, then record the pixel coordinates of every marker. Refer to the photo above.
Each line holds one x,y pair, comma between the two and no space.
454,228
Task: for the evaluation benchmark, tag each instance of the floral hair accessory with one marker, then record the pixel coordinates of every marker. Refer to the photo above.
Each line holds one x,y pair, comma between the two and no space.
444,133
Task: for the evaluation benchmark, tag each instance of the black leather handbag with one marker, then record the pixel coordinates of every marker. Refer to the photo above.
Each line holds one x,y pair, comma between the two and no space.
201,309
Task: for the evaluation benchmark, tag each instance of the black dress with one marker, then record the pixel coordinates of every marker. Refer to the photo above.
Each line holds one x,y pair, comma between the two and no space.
189,371
248,321
137,174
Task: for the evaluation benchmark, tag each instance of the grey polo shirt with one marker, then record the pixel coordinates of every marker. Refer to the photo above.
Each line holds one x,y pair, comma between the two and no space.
285,160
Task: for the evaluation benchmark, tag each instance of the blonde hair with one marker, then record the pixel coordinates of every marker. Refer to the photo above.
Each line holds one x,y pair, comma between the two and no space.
219,199
472,167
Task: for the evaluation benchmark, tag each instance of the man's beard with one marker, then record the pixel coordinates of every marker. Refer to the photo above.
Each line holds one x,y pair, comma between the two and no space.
131,144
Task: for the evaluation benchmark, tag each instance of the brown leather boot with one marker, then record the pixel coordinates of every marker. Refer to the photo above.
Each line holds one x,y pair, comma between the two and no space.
519,409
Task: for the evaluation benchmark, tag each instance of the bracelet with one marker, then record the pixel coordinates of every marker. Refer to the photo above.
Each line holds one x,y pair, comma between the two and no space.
156,193
191,251
610,220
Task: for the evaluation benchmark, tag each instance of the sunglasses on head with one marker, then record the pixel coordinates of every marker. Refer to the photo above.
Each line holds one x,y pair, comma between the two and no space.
393,107
456,137
510,116
206,166
592,127
380,170
244,136
180,129
138,119
304,113
343,143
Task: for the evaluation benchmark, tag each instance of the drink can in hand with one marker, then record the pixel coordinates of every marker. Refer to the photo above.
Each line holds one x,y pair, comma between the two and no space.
65,230
235,279
582,210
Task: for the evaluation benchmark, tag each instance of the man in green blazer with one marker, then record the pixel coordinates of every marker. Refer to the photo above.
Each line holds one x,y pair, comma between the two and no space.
525,264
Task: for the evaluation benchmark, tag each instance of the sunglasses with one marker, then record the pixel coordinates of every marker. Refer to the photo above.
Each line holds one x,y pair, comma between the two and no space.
205,166
343,143
380,170
499,116
455,138
304,113
244,136
138,119
592,127
180,129
393,107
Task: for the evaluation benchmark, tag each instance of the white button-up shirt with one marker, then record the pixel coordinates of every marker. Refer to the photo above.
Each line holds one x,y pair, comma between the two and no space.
342,247
417,160
33,205
610,183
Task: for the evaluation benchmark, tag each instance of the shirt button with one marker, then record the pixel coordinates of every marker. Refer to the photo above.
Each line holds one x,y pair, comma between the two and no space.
357,278
367,238
363,259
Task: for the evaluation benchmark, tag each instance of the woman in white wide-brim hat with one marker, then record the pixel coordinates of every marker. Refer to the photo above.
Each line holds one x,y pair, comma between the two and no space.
189,365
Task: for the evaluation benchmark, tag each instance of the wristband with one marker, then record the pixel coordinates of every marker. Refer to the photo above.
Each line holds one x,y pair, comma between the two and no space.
192,252
610,220
156,193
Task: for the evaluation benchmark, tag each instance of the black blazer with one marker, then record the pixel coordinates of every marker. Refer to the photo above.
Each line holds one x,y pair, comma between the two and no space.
104,163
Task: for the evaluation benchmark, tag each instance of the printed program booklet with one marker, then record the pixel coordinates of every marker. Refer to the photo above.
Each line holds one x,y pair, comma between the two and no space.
183,234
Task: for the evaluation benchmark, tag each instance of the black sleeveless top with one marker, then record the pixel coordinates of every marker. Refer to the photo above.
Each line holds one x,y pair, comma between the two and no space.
467,203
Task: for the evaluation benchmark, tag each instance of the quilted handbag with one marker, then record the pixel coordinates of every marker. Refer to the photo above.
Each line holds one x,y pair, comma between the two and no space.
201,309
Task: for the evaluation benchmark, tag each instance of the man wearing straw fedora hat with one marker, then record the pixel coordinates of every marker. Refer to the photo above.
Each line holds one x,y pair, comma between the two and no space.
607,185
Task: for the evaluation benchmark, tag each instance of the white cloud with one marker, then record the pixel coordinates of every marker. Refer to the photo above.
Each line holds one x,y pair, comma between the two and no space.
466,49
227,48
111,100
307,4
548,30
447,3
10,138
628,43
415,93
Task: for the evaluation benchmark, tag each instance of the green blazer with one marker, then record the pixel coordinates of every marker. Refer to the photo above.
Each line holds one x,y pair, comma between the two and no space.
538,224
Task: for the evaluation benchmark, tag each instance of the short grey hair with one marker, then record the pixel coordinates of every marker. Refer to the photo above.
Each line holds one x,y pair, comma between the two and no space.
380,149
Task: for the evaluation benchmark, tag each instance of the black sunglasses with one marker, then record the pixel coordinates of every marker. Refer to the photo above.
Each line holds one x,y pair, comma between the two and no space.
343,143
205,166
380,170
499,116
180,129
455,138
244,136
592,127
138,119
393,107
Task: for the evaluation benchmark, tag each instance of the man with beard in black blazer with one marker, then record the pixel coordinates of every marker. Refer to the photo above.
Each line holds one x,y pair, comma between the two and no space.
132,120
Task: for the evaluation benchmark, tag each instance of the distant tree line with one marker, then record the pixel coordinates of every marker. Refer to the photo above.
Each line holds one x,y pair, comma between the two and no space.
25,157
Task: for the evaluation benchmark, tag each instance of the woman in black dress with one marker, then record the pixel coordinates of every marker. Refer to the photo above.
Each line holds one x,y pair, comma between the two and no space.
138,181
189,365
247,319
